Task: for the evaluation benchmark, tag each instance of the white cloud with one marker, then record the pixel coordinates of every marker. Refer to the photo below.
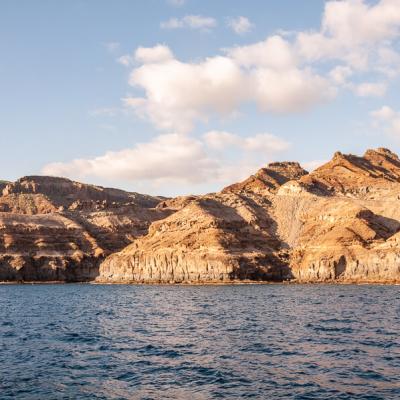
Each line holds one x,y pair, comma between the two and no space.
112,47
387,119
179,94
314,164
177,3
353,31
190,21
125,60
104,111
340,74
263,142
293,90
355,49
240,25
370,89
384,113
279,74
173,159
154,54
147,55
274,52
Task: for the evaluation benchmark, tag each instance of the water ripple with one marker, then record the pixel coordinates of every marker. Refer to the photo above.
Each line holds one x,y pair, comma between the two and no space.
211,342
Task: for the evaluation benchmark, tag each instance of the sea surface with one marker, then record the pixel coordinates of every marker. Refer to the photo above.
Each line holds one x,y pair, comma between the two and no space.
77,341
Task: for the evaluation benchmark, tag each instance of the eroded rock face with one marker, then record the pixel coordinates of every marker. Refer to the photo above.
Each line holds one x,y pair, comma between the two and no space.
338,223
214,238
269,179
57,229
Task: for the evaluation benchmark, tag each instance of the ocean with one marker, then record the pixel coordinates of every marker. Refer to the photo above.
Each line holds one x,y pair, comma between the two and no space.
278,341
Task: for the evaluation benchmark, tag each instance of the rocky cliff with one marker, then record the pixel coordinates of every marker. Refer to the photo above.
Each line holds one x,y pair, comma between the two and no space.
57,229
339,223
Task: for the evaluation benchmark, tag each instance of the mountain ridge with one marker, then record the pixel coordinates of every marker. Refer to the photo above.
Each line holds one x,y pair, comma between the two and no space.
338,223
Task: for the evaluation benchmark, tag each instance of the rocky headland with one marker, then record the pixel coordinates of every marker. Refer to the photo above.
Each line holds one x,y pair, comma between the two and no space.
339,223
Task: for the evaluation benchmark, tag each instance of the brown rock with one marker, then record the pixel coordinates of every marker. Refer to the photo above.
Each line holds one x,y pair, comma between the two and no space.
339,223
57,229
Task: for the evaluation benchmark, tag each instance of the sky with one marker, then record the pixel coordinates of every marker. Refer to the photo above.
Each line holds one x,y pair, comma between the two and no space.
175,97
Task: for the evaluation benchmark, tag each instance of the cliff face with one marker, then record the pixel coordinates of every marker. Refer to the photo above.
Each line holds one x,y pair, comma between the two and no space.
339,223
214,238
57,229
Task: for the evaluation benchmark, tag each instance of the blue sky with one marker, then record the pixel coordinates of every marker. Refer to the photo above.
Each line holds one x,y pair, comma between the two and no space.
199,106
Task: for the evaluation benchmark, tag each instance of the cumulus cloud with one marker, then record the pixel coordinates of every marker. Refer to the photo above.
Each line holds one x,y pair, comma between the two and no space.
179,94
387,119
355,49
240,25
104,111
274,52
263,142
340,74
384,113
154,54
313,164
191,22
353,31
370,89
112,46
171,157
279,74
176,3
292,91
177,159
125,60
149,55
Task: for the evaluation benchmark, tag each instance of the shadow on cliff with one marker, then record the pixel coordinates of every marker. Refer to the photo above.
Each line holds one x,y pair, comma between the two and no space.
43,269
253,243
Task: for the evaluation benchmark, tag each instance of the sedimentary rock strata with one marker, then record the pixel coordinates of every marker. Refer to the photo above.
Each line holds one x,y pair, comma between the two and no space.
339,223
57,229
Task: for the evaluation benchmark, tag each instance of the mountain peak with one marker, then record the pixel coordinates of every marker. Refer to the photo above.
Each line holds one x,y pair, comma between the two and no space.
269,178
348,172
382,151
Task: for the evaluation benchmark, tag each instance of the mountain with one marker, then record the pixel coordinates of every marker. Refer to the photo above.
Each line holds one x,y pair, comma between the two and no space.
339,223
58,229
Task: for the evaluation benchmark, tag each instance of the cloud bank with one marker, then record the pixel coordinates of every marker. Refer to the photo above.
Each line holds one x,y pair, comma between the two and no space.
173,159
355,50
278,75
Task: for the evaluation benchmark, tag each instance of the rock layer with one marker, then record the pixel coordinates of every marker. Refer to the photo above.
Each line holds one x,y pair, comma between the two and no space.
338,223
54,229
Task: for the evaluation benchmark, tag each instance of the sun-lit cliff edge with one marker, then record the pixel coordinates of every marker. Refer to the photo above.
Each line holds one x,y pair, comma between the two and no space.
340,223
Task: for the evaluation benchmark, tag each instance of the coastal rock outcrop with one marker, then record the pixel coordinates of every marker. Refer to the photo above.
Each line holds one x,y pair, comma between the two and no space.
215,238
339,223
55,229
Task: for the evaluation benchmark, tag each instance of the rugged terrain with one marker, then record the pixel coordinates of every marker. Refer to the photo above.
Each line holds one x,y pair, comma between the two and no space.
340,223
54,229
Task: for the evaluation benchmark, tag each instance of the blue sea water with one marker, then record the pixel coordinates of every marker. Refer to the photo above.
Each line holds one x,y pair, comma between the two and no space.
199,342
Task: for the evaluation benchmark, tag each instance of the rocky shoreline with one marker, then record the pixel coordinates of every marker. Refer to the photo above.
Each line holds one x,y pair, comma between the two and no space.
208,283
337,224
